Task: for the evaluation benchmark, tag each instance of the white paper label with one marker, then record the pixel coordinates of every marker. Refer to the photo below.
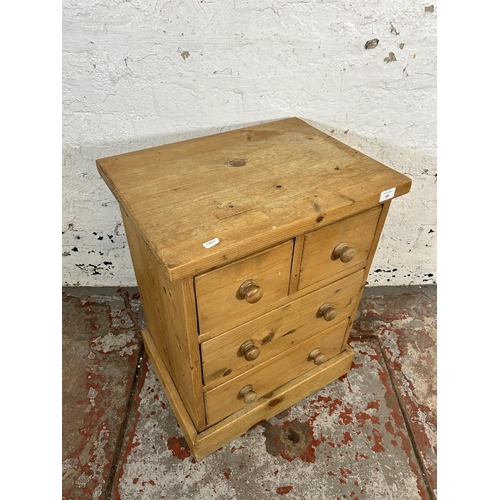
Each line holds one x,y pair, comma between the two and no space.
387,194
211,243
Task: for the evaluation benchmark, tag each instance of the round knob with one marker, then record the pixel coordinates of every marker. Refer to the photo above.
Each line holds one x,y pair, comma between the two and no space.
317,356
249,350
327,311
250,291
343,252
248,395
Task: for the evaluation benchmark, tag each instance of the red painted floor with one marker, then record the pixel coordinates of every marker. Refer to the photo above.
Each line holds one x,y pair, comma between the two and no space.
405,326
369,435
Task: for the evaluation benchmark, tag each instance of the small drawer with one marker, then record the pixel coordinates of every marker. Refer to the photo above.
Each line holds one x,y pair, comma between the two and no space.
235,290
337,247
260,381
253,343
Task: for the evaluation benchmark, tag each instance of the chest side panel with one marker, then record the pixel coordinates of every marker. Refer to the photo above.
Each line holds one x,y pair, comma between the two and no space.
170,313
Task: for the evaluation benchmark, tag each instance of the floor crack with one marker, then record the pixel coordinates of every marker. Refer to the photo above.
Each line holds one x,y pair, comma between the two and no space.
123,428
406,418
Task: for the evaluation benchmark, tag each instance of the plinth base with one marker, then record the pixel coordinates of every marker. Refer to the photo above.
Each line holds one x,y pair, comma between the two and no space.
210,439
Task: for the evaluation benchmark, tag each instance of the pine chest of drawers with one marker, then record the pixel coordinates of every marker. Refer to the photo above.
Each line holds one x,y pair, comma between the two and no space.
251,249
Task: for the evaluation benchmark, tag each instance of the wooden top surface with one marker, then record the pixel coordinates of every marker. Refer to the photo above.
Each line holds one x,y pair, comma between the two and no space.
250,188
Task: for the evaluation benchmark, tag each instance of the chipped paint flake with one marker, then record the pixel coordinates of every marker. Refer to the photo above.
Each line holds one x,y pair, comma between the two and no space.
113,342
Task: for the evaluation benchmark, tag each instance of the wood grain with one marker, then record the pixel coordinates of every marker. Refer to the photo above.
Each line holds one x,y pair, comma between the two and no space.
278,330
217,291
170,313
296,260
223,327
272,182
225,399
264,408
205,442
246,326
357,231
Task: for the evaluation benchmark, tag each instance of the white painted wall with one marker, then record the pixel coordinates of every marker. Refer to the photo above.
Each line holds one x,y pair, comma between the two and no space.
139,73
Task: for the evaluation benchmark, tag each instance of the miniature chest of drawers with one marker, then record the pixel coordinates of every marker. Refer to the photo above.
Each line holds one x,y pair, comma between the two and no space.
251,249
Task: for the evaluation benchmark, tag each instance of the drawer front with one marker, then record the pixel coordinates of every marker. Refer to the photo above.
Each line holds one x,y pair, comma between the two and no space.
249,345
337,247
261,380
238,289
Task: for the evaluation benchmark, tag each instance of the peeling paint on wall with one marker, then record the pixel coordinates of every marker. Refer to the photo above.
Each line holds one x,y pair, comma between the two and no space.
390,58
371,44
145,74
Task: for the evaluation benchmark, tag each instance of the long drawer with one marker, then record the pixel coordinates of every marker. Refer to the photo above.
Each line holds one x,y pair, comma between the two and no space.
235,394
253,343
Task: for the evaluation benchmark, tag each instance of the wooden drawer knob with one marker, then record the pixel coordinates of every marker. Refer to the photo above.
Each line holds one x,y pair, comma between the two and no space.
317,356
249,350
251,291
343,252
247,394
327,311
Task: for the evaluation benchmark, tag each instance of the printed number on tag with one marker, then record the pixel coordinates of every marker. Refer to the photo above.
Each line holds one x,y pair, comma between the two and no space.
387,194
211,243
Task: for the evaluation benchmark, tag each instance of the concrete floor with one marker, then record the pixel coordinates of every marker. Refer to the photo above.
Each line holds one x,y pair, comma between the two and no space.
369,435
